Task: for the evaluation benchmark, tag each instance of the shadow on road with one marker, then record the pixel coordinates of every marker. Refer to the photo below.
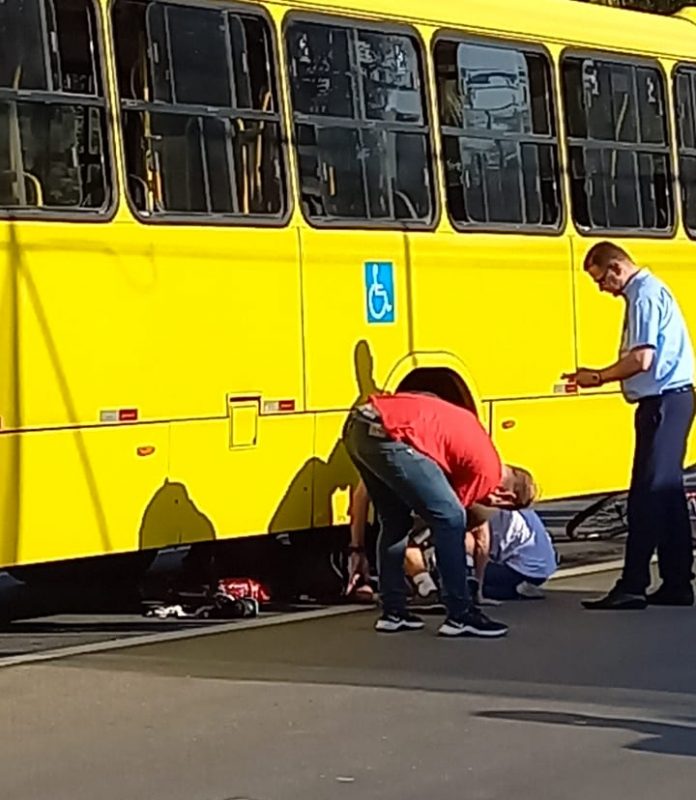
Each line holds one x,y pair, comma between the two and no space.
664,738
556,651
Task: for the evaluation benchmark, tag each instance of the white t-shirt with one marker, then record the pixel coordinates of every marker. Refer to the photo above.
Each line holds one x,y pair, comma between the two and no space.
520,540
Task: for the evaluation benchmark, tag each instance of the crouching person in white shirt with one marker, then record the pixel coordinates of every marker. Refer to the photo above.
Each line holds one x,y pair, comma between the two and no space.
521,555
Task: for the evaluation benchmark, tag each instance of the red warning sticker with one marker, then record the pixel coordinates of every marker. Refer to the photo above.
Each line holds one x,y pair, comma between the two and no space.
119,415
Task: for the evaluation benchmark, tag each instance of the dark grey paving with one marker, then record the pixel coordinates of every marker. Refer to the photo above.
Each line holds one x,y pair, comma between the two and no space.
573,705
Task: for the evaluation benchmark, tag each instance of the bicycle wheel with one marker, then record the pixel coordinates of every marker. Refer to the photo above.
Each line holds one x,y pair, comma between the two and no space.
603,519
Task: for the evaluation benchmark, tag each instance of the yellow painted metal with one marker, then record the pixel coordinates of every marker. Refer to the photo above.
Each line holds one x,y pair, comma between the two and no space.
249,490
333,272
501,302
79,491
244,422
173,321
586,440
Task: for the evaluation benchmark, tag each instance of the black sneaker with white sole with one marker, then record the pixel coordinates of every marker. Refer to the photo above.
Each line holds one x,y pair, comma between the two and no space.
473,623
394,623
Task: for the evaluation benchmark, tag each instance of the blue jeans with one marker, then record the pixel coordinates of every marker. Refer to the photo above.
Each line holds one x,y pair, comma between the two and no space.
658,515
400,480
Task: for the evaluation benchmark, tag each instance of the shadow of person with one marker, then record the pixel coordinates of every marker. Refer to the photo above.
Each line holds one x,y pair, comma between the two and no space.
364,369
664,738
314,566
171,517
318,480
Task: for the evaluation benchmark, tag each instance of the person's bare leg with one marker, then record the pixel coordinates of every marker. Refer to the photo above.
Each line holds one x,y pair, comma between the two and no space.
417,570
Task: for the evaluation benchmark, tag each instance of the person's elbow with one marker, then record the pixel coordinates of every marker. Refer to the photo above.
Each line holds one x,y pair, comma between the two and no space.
643,358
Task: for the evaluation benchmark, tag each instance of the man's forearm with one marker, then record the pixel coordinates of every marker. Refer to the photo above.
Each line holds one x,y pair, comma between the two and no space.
358,515
631,364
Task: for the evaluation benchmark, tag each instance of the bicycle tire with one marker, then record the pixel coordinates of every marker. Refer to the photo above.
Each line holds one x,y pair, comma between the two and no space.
606,518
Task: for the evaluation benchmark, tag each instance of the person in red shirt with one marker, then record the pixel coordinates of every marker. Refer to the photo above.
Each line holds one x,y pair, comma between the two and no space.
418,454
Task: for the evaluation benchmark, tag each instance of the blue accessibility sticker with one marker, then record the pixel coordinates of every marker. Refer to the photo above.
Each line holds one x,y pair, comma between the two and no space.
379,291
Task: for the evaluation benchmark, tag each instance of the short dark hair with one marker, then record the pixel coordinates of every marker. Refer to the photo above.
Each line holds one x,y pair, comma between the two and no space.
603,253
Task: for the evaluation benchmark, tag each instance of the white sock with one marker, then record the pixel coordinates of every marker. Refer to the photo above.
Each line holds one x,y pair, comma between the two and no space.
424,584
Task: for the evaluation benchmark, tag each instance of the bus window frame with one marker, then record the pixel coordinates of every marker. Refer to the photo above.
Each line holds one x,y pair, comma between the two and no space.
464,37
179,219
691,65
635,61
429,108
109,210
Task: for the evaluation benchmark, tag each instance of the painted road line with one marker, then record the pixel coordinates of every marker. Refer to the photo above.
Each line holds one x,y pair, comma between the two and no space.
172,636
243,625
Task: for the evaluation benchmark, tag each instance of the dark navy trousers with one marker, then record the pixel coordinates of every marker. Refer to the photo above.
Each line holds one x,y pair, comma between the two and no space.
658,515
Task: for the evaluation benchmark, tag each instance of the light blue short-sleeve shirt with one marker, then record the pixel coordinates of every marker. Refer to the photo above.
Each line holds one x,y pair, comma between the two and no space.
653,319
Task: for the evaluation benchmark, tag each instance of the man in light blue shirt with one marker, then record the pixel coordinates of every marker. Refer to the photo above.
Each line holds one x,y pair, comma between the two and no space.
653,321
656,370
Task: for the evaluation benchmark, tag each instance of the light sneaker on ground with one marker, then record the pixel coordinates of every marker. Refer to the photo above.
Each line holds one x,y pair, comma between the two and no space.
530,591
425,585
428,601
395,623
473,623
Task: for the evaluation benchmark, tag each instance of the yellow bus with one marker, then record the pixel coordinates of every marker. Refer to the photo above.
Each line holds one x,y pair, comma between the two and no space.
222,223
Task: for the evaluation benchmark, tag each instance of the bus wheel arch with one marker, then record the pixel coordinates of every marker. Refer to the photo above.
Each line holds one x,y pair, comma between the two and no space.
441,374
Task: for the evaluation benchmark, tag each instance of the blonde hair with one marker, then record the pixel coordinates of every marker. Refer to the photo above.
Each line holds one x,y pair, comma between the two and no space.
525,489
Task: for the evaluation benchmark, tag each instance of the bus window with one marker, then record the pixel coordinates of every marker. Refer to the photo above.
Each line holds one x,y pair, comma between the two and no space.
361,128
53,135
498,135
199,111
685,94
618,146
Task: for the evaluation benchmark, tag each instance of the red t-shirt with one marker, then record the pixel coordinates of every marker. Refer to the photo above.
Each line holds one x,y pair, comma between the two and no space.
452,436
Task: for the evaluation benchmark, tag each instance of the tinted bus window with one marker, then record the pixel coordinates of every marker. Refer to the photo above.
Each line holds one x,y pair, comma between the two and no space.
498,135
53,135
199,109
361,128
685,94
618,146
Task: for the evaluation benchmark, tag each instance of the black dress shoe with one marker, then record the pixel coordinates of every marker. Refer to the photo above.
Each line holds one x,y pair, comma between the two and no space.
617,600
672,596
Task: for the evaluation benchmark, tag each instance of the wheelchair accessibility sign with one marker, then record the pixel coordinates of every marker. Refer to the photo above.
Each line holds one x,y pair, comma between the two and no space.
379,291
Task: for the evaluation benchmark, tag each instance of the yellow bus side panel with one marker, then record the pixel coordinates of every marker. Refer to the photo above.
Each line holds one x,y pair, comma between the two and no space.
573,445
164,320
250,490
503,304
232,298
74,493
345,356
89,323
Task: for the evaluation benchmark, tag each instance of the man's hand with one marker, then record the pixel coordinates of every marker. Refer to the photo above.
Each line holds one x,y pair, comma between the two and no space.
358,569
584,378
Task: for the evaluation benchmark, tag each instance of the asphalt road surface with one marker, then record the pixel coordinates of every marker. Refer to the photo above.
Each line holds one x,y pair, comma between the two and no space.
573,705
70,616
